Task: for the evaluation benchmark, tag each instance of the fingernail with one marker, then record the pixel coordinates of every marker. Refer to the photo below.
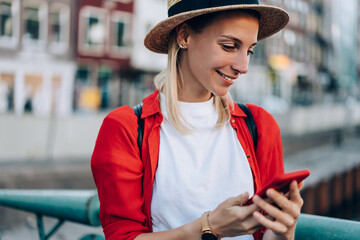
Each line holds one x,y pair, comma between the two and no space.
256,198
270,191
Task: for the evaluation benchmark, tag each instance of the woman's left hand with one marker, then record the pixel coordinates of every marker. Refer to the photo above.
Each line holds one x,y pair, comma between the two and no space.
280,220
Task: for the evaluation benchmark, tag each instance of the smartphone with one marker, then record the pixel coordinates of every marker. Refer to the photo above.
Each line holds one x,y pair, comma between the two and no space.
281,183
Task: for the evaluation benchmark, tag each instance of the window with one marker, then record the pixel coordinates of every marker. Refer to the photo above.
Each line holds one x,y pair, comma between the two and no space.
95,35
9,27
6,22
59,28
33,88
55,27
120,38
92,32
6,92
32,23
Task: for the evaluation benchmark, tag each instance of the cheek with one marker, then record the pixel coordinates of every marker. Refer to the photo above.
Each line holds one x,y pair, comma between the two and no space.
199,52
205,56
198,58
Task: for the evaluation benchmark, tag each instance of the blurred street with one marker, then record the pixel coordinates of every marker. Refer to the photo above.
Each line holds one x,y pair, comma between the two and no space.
64,65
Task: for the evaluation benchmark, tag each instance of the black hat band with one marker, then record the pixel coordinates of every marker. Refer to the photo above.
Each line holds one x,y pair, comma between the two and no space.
191,5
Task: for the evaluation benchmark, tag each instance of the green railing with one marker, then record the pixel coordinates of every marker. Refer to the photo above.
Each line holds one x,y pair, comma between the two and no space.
311,227
82,206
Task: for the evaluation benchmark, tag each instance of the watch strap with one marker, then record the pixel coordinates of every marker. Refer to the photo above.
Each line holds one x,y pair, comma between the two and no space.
205,228
205,222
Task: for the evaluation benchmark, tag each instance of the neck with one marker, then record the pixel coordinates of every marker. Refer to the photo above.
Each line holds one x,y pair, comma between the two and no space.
186,96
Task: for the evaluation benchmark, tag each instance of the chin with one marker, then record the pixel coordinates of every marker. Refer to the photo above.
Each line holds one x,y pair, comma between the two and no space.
221,93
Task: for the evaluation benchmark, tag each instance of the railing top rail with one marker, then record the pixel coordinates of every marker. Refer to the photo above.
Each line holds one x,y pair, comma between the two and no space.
80,206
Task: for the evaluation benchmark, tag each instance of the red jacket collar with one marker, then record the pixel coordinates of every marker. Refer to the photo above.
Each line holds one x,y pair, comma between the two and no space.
151,105
236,111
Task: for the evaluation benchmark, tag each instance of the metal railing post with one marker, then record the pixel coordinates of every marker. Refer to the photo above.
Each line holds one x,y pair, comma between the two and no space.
40,227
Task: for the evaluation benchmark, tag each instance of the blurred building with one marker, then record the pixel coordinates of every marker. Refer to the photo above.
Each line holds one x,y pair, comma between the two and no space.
358,51
311,61
87,55
147,13
36,56
344,41
103,49
64,56
144,20
73,56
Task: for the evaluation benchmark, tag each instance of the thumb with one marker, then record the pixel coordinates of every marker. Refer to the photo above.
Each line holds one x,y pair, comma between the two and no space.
300,185
241,199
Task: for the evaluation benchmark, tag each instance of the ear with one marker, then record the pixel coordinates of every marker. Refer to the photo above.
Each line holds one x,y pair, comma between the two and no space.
182,33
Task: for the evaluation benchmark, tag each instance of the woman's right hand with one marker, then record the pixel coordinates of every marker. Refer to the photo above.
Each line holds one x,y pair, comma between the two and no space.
231,219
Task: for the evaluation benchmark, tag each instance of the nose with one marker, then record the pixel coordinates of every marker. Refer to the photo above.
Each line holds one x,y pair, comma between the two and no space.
241,63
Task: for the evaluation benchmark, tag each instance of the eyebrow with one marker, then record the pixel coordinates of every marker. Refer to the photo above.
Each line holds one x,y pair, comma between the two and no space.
238,41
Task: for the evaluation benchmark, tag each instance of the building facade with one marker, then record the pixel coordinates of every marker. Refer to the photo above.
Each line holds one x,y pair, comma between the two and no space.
296,57
311,61
77,56
36,56
103,49
358,50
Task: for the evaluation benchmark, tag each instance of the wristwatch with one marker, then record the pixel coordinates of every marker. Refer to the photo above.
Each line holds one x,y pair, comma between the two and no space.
205,228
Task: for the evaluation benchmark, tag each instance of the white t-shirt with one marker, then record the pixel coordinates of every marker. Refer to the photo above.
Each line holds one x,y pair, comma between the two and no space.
197,171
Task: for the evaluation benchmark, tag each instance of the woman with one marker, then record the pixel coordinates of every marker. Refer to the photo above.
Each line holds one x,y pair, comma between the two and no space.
198,166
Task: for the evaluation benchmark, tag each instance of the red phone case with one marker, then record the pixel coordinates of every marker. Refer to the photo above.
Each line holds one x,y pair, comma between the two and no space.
281,183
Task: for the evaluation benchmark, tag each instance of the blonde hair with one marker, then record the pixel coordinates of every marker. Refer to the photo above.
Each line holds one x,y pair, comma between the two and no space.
170,82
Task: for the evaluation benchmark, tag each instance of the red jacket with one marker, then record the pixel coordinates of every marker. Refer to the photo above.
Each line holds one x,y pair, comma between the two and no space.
125,182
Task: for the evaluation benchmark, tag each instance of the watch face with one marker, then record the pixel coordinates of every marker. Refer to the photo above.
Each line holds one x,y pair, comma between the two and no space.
208,236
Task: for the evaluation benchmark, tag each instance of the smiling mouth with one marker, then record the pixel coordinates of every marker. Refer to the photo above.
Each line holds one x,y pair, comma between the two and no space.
231,79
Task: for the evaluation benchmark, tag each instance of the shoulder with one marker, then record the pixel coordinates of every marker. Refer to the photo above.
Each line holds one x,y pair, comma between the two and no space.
123,114
259,113
263,119
122,119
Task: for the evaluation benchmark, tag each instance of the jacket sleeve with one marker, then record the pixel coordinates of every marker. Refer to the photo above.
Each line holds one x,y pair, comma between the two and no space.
117,170
269,153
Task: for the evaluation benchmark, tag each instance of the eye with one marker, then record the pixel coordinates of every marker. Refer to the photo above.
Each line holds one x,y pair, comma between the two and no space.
250,52
227,47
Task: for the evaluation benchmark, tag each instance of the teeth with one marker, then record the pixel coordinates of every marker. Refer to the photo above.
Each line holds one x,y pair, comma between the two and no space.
226,77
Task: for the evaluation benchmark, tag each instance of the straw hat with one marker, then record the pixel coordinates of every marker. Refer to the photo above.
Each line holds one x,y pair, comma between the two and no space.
272,19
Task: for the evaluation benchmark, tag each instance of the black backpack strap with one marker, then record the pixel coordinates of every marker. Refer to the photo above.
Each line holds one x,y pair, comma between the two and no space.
138,109
249,120
250,123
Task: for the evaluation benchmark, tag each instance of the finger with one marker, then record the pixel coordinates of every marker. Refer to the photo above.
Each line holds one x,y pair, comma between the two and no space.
253,224
268,216
244,212
291,206
301,185
268,223
295,194
248,225
278,198
282,216
287,195
239,200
